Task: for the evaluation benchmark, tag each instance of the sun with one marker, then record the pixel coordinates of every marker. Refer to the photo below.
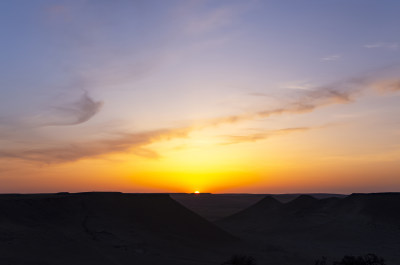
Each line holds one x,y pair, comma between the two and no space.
197,192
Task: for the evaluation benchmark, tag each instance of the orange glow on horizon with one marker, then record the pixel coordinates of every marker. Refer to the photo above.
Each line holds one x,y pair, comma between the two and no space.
305,162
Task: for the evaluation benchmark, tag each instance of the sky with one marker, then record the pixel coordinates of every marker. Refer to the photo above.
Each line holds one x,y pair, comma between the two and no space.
216,96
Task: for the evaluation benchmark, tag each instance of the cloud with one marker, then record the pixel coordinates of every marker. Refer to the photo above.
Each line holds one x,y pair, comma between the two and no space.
306,101
124,142
390,85
137,143
16,130
75,113
333,57
383,45
237,139
134,143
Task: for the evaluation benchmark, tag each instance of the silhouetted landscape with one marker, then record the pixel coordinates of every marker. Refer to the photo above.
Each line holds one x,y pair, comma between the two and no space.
121,228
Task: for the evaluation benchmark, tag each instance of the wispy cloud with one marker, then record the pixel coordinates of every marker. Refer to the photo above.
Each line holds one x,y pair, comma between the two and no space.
237,139
74,113
389,85
383,45
332,57
16,130
306,101
127,142
134,143
137,143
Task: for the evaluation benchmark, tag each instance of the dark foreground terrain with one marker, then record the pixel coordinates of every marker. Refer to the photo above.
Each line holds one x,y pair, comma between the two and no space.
117,228
105,228
332,227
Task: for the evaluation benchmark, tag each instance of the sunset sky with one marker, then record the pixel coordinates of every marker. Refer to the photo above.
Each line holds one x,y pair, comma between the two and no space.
217,96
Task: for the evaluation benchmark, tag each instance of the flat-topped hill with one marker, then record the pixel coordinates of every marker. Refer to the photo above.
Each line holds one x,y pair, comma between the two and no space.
99,228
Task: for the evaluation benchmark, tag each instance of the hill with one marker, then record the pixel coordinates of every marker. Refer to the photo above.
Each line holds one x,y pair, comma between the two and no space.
357,224
217,206
104,228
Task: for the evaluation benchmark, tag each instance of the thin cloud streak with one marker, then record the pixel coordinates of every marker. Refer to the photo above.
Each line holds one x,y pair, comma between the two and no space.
307,101
333,57
383,45
237,139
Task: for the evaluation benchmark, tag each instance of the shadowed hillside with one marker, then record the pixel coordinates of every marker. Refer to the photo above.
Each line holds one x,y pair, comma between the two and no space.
357,224
217,206
103,228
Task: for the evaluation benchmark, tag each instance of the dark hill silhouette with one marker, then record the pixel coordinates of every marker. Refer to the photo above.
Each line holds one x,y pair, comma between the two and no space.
214,207
258,213
302,201
268,203
381,207
265,205
362,223
101,228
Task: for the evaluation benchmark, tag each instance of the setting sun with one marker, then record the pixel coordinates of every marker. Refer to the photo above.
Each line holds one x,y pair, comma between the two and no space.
196,192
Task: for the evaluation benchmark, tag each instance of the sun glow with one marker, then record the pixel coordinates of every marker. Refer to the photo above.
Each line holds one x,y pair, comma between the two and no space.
197,192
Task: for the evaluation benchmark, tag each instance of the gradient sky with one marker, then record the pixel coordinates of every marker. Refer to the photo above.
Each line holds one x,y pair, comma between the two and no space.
216,96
